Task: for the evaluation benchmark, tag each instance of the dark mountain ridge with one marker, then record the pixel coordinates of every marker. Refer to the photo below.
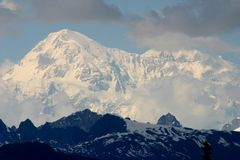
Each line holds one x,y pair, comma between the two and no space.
111,137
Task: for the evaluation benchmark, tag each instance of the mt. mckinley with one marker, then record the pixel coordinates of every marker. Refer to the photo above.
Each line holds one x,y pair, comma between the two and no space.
68,72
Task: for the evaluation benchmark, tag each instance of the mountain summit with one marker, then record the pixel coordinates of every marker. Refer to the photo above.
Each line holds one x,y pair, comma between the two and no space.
70,69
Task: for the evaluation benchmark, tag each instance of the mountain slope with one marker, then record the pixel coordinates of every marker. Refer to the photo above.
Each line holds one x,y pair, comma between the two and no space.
70,69
84,120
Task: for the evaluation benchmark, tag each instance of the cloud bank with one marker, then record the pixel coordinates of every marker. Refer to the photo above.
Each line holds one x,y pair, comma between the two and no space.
195,103
190,24
199,17
13,111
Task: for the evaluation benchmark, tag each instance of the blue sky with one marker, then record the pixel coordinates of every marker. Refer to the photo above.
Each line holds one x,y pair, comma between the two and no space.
132,25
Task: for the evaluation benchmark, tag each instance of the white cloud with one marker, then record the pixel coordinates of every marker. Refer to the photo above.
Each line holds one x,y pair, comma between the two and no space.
14,111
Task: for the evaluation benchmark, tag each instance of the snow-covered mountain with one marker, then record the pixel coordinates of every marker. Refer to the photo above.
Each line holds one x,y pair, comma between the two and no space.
68,72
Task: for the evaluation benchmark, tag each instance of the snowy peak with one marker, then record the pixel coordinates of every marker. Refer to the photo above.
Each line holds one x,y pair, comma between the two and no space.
62,45
70,37
59,53
65,42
